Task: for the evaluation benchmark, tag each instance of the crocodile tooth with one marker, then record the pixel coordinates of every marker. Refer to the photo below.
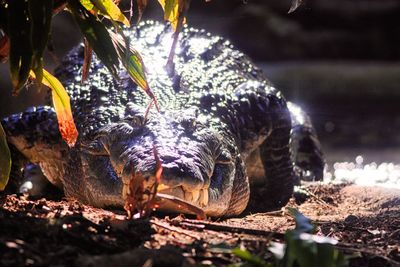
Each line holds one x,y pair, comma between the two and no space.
195,196
162,187
188,196
203,198
206,197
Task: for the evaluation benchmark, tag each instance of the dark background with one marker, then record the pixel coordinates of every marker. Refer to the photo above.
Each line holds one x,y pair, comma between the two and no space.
338,59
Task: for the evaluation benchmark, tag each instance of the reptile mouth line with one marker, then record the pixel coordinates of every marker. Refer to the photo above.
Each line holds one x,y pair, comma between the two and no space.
198,198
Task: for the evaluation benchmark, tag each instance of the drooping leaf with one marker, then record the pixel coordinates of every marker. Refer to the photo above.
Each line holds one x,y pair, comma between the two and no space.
87,4
107,8
295,5
173,11
142,4
5,160
19,32
40,13
110,47
97,35
62,106
86,60
133,63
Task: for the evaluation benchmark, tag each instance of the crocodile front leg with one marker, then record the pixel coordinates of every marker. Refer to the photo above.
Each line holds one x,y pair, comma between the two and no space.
240,190
265,125
278,166
91,179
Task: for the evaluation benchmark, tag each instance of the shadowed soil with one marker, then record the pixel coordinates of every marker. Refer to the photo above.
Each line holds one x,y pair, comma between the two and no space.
59,232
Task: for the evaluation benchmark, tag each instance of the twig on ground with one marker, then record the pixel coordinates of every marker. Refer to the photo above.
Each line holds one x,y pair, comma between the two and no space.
317,198
173,229
226,228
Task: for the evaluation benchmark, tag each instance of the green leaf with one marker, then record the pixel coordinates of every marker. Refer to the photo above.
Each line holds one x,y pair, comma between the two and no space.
173,10
134,65
250,258
19,32
87,4
106,8
110,9
97,35
312,250
132,62
303,224
5,160
307,250
41,13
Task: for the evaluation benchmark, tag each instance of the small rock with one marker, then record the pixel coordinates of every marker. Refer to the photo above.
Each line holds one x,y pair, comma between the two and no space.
351,219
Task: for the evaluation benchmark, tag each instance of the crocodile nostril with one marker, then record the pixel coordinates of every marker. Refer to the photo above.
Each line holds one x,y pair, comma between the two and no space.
146,178
170,158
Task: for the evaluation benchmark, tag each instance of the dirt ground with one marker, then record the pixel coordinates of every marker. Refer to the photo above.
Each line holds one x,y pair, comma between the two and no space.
60,232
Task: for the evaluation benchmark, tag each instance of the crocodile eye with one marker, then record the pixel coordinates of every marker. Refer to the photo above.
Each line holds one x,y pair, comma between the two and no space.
95,147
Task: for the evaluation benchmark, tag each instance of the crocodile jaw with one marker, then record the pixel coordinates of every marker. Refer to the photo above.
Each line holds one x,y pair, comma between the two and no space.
197,197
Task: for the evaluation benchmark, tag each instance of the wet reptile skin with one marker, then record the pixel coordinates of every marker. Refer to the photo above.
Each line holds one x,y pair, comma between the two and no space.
216,109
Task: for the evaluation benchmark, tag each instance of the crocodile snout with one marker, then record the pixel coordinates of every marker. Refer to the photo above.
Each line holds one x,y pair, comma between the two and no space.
196,166
180,177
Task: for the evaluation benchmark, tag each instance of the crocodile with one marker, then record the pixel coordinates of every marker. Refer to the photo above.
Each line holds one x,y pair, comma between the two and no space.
220,121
